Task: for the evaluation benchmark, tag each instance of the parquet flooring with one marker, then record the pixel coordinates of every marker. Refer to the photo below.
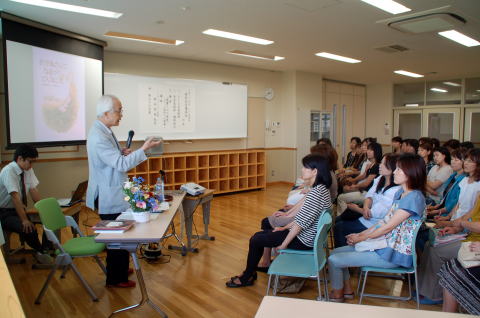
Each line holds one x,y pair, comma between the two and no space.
191,286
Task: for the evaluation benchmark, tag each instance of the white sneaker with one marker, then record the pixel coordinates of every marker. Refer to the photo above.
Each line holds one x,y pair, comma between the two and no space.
43,258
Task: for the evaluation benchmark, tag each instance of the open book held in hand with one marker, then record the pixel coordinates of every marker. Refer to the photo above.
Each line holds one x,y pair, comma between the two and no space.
113,226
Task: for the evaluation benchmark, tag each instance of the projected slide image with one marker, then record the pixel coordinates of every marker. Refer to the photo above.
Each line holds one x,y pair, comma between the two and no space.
59,95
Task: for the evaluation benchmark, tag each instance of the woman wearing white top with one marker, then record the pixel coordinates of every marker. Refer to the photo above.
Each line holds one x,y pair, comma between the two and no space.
438,175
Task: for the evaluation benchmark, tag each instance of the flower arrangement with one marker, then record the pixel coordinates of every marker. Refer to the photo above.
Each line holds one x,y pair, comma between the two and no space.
139,196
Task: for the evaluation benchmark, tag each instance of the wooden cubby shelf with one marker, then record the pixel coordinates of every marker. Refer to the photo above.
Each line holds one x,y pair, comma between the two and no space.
222,171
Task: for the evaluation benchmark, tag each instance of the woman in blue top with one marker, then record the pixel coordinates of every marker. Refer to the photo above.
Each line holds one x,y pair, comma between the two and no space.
394,233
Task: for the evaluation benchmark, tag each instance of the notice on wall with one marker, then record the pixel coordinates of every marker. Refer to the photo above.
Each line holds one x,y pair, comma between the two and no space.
166,109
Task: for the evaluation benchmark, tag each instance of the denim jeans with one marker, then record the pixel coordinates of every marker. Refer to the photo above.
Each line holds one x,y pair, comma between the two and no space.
344,257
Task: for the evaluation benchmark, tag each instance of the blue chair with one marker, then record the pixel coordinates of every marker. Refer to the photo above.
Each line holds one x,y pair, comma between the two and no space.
302,264
397,270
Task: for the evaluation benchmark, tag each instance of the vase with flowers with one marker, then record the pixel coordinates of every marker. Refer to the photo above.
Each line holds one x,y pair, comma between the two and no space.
141,199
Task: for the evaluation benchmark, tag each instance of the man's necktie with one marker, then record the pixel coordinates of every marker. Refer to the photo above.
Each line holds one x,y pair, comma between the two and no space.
24,191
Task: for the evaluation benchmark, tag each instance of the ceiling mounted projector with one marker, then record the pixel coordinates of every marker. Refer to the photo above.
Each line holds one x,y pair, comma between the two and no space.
435,20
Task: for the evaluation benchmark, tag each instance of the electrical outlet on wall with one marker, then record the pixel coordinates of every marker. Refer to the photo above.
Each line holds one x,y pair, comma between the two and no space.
273,173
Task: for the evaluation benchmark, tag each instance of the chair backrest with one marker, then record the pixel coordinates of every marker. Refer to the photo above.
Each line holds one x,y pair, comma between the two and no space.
414,239
324,224
51,214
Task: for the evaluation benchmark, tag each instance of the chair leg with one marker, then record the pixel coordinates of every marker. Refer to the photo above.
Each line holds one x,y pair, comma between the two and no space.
268,286
359,282
363,286
417,294
318,286
99,262
84,282
45,285
325,281
64,271
275,286
409,287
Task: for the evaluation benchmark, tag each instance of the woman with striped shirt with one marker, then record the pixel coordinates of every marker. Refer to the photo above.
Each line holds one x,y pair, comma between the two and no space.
300,233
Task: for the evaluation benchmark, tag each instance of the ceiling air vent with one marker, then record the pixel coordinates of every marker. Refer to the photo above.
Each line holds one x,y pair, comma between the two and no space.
392,48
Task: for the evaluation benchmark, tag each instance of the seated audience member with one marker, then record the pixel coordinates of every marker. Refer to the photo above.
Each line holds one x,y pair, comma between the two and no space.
347,175
469,189
324,141
438,175
377,203
434,257
452,189
410,146
452,145
395,231
330,154
461,285
425,151
435,142
354,153
355,191
396,144
467,145
16,180
300,233
423,140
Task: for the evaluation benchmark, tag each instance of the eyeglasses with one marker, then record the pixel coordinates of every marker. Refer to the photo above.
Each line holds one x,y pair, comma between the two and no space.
118,111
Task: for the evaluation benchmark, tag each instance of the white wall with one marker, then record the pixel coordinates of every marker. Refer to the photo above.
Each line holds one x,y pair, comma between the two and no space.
379,112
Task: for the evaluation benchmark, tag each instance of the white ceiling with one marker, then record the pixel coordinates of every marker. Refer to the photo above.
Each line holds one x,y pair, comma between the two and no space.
300,28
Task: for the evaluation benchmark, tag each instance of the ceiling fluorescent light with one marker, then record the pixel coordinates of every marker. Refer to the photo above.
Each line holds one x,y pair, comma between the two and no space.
388,5
452,84
459,38
238,37
71,8
337,57
438,90
142,38
407,73
256,56
411,105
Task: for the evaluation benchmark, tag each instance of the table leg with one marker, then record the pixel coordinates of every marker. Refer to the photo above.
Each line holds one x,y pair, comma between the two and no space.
187,208
206,220
143,289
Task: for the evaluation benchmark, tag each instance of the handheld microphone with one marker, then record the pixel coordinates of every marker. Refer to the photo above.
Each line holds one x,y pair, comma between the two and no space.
130,137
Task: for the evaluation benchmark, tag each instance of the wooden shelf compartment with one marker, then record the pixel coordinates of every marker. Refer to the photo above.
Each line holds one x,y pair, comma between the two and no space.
180,177
191,176
233,172
179,163
213,185
191,162
252,157
223,185
261,169
223,172
152,178
169,177
223,160
154,164
260,157
142,168
205,185
252,170
233,159
202,174
243,158
167,163
203,161
242,183
213,173
233,184
213,160
261,181
243,171
252,182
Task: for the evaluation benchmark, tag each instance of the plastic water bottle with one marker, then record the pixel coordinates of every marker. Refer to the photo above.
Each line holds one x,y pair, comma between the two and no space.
159,189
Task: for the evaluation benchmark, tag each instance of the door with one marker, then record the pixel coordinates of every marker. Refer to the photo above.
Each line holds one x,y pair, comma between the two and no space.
441,123
472,125
408,123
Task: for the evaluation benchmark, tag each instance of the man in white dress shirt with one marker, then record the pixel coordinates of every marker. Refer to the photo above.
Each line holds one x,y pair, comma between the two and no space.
16,180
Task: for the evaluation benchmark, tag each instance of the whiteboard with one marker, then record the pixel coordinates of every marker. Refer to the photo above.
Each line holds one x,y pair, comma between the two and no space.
178,108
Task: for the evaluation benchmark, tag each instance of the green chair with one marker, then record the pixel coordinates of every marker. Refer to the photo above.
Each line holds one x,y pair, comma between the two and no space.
304,264
54,220
396,270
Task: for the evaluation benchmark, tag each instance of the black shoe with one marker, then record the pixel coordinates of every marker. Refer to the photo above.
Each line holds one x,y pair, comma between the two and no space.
243,282
263,269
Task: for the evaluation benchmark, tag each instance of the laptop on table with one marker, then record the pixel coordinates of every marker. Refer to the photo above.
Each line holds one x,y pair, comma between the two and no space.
76,197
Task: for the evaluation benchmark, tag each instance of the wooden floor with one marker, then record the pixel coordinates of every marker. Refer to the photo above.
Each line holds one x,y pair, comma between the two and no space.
191,286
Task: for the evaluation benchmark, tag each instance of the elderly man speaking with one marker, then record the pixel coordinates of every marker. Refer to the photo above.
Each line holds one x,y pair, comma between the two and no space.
108,164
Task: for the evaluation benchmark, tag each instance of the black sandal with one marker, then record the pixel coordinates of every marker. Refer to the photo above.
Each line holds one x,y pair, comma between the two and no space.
243,282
